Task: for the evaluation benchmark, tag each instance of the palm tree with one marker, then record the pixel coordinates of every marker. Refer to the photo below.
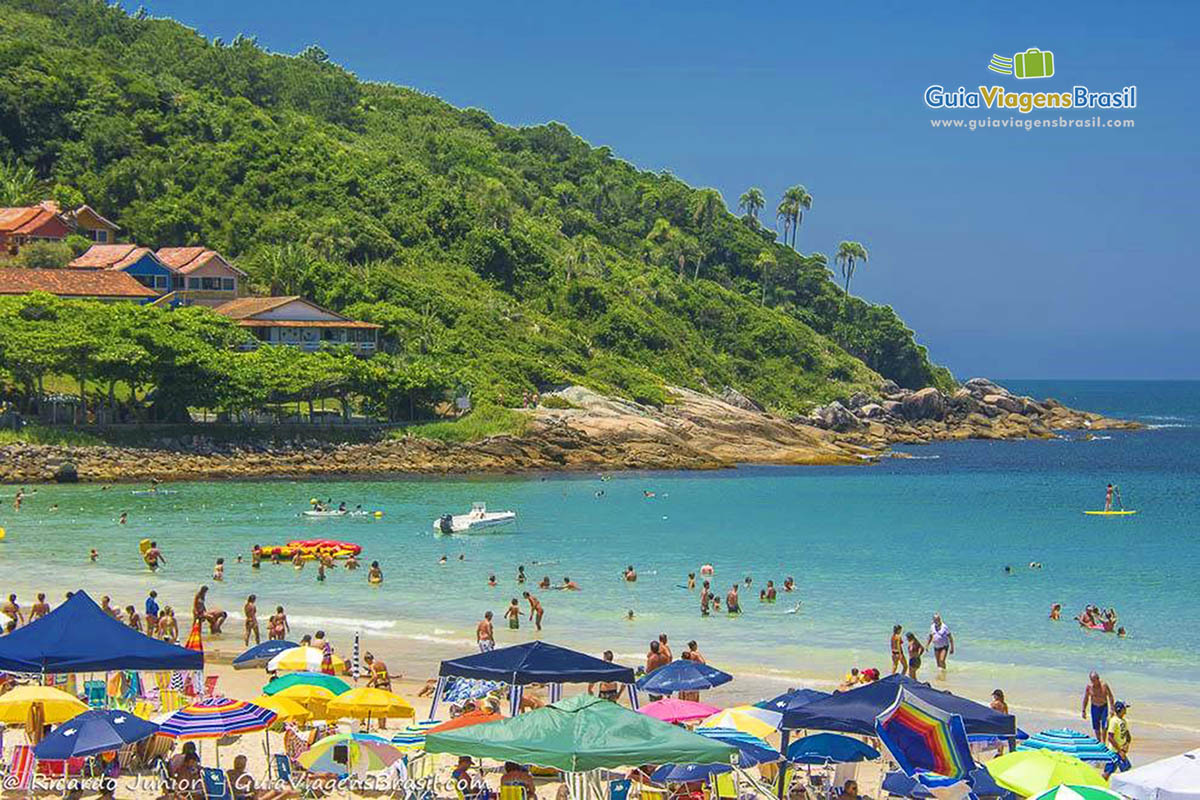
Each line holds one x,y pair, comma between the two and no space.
786,211
706,205
799,201
766,265
848,256
752,201
19,185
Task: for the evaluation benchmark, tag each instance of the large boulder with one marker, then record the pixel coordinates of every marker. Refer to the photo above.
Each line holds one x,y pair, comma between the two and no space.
891,407
834,417
871,411
888,387
858,400
735,398
927,403
978,387
66,473
1005,402
963,402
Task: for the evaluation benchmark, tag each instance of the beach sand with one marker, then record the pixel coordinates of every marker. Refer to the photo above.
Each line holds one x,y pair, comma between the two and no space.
413,661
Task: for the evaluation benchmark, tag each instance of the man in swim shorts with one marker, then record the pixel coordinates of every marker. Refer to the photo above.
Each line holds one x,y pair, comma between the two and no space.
731,601
535,610
485,636
154,557
1099,697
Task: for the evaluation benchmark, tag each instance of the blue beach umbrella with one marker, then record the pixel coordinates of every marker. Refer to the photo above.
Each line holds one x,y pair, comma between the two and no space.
1081,745
92,732
829,748
260,654
792,699
687,773
751,749
682,675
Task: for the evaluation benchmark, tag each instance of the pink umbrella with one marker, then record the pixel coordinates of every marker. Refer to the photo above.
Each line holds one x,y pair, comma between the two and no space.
671,709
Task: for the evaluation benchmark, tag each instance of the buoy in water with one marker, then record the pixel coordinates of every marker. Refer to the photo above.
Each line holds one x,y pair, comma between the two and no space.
378,514
2,534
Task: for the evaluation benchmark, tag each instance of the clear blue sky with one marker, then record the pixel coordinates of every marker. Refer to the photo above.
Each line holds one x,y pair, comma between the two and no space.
1046,253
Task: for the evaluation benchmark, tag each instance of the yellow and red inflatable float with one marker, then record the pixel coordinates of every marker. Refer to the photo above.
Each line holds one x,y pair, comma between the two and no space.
312,548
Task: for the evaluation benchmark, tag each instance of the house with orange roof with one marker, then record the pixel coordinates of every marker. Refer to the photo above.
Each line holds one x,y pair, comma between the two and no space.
139,262
204,277
297,322
90,224
40,223
105,285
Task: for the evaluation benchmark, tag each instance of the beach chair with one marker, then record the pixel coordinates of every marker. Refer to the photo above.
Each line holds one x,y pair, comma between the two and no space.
619,790
512,793
96,693
164,777
216,787
210,685
171,700
21,769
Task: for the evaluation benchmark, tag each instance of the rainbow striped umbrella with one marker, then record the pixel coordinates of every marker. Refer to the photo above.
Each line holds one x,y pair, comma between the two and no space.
216,717
926,742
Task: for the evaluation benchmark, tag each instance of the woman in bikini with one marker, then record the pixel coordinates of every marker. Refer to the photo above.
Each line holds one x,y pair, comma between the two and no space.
915,651
899,664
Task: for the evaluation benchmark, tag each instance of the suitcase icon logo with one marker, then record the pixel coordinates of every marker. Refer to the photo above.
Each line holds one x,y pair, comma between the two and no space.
1033,63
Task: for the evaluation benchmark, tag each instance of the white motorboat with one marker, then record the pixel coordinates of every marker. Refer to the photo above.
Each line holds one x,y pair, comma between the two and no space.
475,519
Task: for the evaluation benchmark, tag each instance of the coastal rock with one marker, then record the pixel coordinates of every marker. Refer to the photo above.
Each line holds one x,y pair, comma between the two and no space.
738,400
858,400
1005,402
66,473
888,387
834,417
928,403
891,407
979,387
871,411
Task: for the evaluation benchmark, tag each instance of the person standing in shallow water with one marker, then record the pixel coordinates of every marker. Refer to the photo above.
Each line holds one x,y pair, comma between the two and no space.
915,651
898,662
941,640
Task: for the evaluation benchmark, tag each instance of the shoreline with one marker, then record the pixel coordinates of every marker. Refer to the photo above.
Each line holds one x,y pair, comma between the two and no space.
590,433
1041,697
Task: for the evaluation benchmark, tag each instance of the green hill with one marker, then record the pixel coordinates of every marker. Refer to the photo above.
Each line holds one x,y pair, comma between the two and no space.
512,257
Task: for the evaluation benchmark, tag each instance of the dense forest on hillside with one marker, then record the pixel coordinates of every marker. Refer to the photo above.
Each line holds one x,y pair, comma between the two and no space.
512,258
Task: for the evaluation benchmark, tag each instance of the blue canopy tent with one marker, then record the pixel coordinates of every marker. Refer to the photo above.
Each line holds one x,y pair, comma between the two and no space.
533,662
682,675
982,784
855,711
79,637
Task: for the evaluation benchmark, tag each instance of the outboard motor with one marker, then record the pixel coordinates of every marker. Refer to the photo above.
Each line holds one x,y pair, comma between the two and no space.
446,523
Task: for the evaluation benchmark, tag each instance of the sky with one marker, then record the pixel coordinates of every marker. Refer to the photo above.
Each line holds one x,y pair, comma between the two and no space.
1054,252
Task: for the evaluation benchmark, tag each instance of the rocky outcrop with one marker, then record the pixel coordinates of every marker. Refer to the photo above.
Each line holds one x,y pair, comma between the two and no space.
738,400
593,432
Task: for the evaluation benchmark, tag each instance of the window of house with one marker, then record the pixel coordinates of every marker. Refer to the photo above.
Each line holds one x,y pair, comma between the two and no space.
102,236
160,281
228,284
145,280
210,284
193,283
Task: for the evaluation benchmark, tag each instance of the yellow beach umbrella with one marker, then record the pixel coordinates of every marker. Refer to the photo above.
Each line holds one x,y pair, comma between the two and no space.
303,659
55,704
1031,772
313,698
285,708
739,718
368,702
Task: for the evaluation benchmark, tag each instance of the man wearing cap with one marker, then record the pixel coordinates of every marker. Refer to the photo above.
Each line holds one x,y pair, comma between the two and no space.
1119,737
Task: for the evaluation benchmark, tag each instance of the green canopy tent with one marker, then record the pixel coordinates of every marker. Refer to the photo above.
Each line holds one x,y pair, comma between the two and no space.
582,734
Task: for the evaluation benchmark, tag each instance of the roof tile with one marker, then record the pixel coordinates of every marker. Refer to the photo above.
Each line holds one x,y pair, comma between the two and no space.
72,283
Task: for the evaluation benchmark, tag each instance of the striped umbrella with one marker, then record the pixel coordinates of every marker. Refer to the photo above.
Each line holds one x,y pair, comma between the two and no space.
1069,792
332,683
751,749
738,719
412,737
1082,746
343,753
216,717
355,666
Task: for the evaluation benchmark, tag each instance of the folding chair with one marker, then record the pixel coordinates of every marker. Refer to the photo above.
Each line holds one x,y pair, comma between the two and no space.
21,769
171,700
216,787
619,790
210,686
283,771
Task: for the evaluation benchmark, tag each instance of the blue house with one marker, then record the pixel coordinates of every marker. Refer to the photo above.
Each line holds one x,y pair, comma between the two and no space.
140,263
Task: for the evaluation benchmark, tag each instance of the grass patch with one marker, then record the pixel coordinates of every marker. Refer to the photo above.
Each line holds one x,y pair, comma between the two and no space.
38,434
484,421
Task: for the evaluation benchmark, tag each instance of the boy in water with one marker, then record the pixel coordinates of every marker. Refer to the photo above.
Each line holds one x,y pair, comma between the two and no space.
513,615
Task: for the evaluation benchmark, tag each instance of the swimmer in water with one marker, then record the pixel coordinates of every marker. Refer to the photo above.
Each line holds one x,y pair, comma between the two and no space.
124,518
630,574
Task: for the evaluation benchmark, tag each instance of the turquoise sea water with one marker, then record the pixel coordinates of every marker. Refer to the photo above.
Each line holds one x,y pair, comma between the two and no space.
869,547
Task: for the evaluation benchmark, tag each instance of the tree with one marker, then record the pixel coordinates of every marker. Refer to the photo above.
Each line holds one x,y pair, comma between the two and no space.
280,268
785,212
45,255
752,201
19,184
707,204
766,265
847,258
797,200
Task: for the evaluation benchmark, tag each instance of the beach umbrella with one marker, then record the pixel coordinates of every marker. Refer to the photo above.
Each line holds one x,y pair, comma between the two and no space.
260,654
216,717
285,708
330,683
412,736
1081,745
1067,792
751,749
926,741
738,719
687,773
682,675
478,717
53,705
92,732
303,659
1031,772
830,748
672,709
1174,778
791,699
343,753
982,785
313,698
368,702
194,640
